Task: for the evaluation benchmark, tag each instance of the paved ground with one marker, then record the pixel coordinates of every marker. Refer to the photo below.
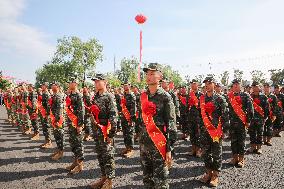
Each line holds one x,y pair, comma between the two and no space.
24,165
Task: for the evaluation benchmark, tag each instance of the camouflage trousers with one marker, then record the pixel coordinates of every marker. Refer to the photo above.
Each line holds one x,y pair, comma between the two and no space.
194,132
58,134
268,130
155,172
25,120
184,124
256,131
34,122
238,137
119,123
87,122
76,142
45,127
128,133
9,113
278,123
105,154
212,151
137,125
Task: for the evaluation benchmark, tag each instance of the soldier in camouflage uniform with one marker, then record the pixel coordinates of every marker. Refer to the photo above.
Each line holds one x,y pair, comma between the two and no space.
87,122
278,123
214,116
117,95
26,125
183,119
104,120
56,120
194,119
273,111
239,122
261,112
32,109
43,112
8,104
135,90
156,163
128,117
14,107
75,124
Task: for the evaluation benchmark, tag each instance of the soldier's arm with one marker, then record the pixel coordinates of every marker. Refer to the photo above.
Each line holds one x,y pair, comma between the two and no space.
274,105
57,107
249,107
171,130
176,103
265,106
224,112
34,102
112,116
80,110
132,106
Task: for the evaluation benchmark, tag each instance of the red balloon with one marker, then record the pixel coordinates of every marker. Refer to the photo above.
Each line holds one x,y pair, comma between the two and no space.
140,18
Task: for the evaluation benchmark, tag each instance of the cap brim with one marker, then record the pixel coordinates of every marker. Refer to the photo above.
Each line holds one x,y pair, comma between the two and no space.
147,69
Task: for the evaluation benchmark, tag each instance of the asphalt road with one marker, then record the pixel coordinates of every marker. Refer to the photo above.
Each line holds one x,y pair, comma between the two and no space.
24,165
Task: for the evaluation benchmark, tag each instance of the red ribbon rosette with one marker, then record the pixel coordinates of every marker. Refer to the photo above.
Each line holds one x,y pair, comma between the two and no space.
68,101
149,108
39,98
270,100
257,101
50,101
209,108
238,100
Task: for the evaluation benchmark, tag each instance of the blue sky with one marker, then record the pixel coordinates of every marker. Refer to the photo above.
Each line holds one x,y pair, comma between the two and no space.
185,34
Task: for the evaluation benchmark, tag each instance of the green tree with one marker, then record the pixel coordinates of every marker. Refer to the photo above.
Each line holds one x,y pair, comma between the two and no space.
277,76
199,78
224,78
258,76
172,75
73,57
238,74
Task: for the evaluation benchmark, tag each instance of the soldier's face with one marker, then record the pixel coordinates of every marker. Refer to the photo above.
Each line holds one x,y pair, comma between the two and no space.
256,89
209,86
236,87
100,84
266,89
276,90
153,77
165,85
43,87
126,88
72,86
54,88
194,86
218,89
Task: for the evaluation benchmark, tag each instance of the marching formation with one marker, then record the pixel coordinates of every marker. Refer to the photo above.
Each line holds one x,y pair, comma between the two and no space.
204,113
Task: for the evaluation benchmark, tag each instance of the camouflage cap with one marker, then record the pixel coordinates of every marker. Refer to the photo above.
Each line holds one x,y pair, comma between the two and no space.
193,81
44,83
209,79
276,86
255,84
153,67
55,83
266,84
73,80
218,84
99,77
236,81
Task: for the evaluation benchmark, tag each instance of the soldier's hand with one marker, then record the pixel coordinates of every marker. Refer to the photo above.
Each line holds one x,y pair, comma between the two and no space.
79,129
247,125
169,159
109,140
273,118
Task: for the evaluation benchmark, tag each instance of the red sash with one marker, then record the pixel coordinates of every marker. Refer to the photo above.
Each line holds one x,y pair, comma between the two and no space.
156,135
60,122
237,108
279,104
8,105
40,107
258,109
182,99
24,108
193,100
105,129
215,133
124,109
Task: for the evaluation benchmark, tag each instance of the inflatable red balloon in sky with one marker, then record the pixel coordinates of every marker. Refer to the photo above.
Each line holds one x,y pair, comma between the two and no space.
140,19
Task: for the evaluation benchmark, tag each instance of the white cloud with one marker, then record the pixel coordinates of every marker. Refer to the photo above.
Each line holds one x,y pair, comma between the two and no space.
21,40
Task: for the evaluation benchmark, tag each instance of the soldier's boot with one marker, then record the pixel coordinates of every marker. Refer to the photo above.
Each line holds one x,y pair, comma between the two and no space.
107,184
252,148
87,137
265,140
123,152
214,179
269,143
206,177
193,151
241,162
47,144
198,152
259,151
57,156
78,167
277,133
35,136
28,131
98,184
129,153
54,153
72,166
234,161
